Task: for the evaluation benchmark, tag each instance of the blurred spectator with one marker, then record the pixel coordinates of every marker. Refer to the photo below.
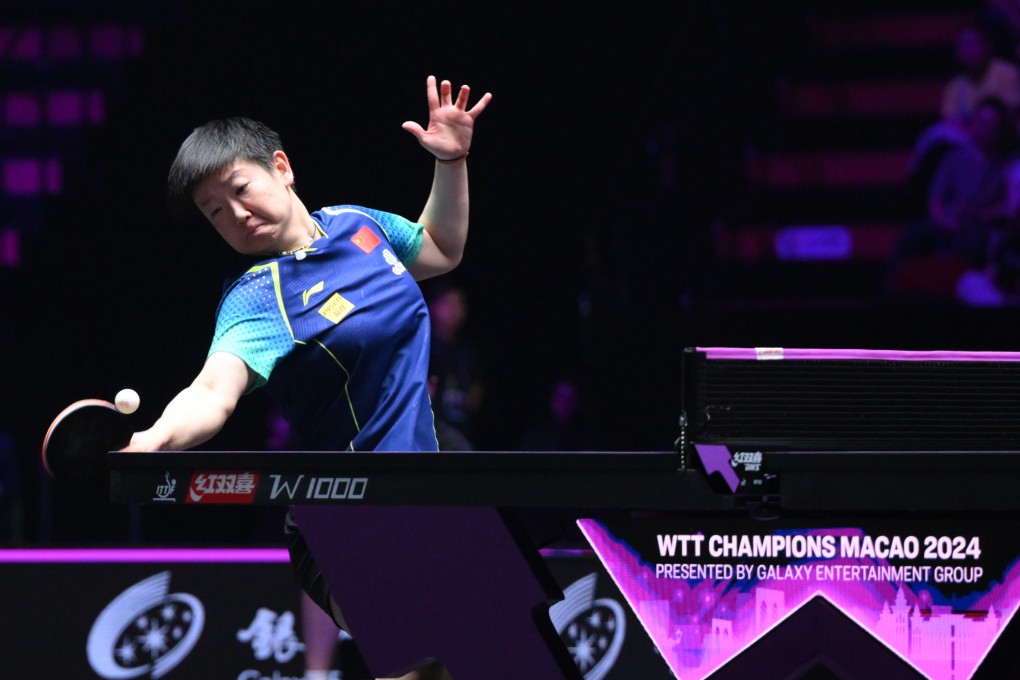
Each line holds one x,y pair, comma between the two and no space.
1001,22
455,370
969,186
561,427
967,202
998,281
279,436
981,75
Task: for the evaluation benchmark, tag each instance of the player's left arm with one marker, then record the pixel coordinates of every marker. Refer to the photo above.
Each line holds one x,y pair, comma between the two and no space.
448,138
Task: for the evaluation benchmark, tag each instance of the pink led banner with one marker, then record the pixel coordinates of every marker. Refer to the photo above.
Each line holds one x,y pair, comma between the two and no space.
934,596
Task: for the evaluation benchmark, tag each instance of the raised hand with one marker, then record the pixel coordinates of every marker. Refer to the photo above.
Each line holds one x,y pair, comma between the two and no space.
451,123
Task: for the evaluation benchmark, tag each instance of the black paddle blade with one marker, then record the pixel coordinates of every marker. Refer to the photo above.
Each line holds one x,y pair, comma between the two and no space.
75,447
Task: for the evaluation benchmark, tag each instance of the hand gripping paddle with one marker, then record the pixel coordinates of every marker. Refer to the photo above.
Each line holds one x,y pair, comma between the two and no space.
75,447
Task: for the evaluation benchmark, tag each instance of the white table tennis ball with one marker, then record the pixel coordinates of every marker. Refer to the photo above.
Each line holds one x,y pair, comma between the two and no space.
127,401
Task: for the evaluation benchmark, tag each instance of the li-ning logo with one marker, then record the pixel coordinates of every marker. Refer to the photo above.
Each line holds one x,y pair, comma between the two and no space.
593,630
307,295
165,492
146,630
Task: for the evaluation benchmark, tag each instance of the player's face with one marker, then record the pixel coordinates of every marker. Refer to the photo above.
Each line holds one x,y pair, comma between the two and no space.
251,207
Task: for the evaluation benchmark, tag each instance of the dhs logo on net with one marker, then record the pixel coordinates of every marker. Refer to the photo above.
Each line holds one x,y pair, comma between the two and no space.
145,631
592,629
751,460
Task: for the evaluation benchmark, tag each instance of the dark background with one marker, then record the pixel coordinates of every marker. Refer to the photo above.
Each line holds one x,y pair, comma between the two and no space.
582,262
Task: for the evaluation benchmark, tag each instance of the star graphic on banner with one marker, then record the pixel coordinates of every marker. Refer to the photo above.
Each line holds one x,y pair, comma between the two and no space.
583,651
589,637
126,653
153,638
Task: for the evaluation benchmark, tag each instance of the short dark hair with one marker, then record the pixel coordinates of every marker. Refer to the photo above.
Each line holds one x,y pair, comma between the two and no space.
214,146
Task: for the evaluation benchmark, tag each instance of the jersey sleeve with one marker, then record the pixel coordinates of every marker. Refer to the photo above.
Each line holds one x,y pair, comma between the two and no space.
404,235
252,325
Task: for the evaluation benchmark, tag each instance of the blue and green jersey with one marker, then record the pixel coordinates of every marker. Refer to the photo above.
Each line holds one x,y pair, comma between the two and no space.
339,334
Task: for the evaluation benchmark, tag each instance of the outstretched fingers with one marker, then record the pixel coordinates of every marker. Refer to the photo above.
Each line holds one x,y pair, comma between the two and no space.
431,93
462,97
465,95
440,94
479,105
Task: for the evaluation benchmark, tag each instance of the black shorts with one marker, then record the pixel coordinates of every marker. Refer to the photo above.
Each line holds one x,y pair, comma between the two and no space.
306,571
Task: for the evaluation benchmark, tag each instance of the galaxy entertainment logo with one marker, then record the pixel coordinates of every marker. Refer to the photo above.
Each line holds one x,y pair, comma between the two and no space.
145,631
593,630
272,635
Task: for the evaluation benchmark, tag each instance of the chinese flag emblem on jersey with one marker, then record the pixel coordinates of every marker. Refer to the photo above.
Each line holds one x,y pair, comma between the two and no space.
365,239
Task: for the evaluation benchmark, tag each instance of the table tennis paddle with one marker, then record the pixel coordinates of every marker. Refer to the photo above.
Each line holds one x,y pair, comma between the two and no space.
75,447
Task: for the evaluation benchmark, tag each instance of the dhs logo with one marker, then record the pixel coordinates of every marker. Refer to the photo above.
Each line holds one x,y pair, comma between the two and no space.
145,631
751,460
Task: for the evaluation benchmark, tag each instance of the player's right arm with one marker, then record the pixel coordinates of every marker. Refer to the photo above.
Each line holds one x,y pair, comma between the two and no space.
200,410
